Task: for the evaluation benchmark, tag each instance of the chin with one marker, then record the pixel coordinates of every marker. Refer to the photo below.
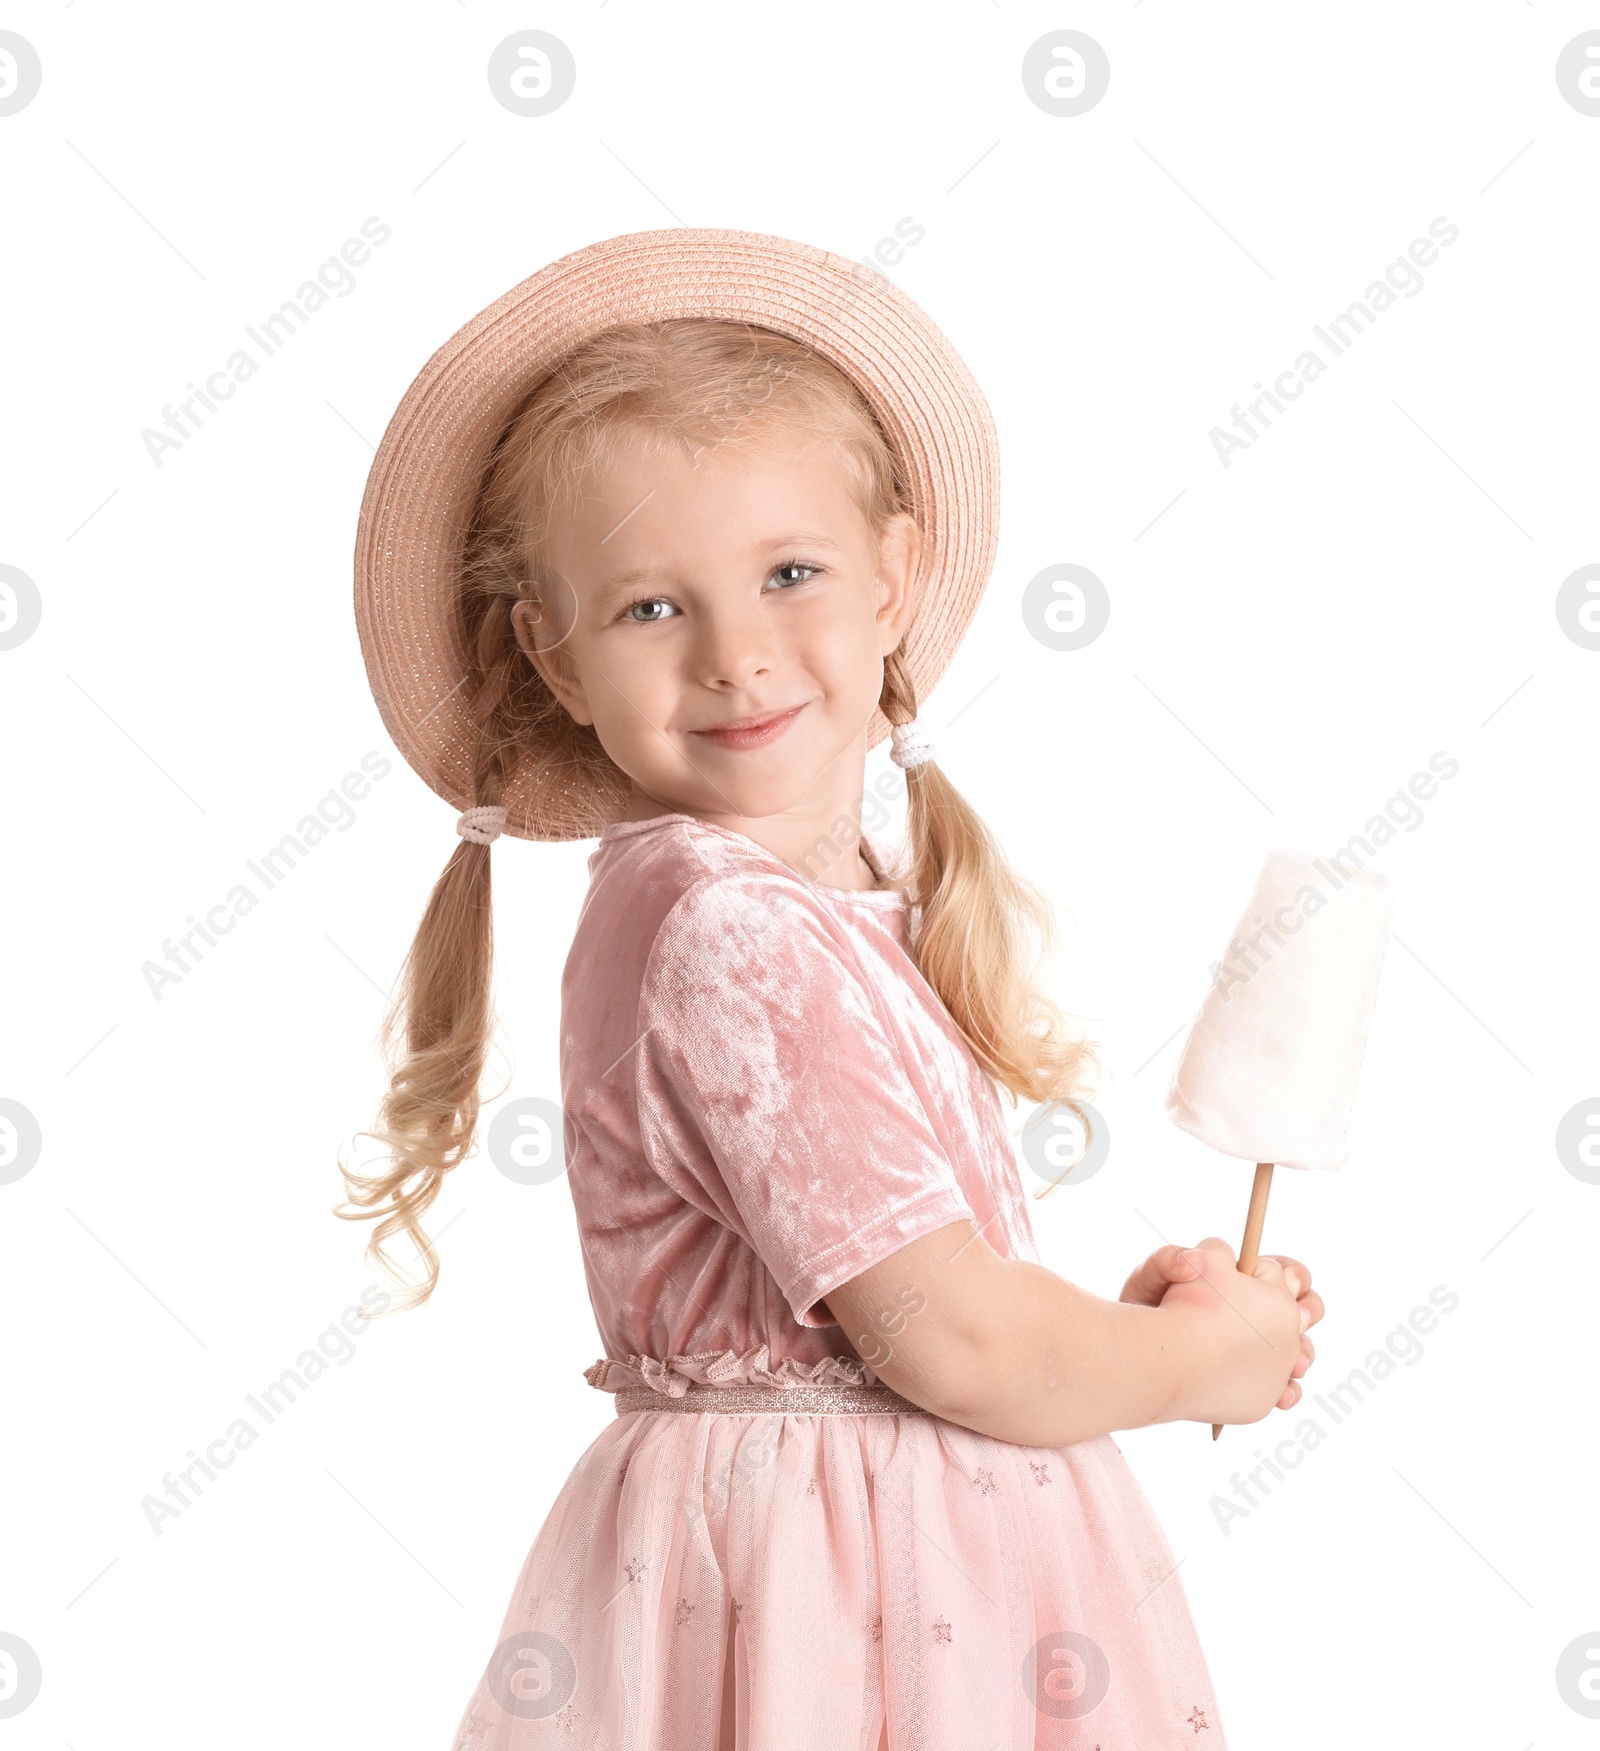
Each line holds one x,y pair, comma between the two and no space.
746,806
756,799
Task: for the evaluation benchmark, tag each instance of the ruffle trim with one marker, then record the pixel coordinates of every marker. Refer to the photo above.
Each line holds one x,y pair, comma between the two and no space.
674,1376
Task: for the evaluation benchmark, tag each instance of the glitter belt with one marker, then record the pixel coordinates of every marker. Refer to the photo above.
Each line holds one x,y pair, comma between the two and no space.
745,1400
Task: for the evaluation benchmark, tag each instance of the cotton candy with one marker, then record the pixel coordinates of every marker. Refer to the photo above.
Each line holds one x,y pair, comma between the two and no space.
1270,1067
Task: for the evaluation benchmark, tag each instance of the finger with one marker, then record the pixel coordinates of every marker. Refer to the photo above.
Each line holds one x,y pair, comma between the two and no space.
1311,1302
1307,1356
1295,1275
1187,1263
1290,1396
1171,1264
1218,1253
1269,1270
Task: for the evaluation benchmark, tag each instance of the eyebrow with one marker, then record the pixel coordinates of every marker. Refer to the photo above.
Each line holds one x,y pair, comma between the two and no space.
795,538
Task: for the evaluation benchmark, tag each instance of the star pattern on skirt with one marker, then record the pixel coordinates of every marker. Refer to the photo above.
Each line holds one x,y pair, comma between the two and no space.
1197,1719
634,1568
1157,1574
738,1610
1041,1475
684,1608
811,1488
876,1627
941,1630
567,1718
983,1480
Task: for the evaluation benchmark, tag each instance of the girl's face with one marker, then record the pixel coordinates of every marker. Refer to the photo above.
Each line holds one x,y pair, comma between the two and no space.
722,619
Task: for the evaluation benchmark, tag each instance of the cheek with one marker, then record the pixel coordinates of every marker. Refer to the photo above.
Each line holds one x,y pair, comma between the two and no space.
858,677
632,691
843,647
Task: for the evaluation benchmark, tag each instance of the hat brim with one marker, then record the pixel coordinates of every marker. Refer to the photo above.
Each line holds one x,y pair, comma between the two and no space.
430,467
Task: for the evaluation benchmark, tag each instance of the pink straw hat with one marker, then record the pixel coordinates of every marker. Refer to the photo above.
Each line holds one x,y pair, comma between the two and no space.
431,463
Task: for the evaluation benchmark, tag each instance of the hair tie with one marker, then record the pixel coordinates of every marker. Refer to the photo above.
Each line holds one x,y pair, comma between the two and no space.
911,744
481,823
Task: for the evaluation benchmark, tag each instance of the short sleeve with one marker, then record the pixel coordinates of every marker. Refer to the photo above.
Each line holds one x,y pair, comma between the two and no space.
772,1090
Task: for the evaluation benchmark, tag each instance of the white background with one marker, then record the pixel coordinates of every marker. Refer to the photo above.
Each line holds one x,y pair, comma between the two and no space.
1291,638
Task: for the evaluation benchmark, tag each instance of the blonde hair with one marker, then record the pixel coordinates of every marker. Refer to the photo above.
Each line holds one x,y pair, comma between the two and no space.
980,933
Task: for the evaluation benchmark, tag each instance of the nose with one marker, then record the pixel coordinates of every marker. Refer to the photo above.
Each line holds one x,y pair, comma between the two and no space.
736,646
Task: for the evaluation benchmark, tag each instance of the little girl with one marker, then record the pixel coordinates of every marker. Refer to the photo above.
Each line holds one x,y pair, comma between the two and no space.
654,551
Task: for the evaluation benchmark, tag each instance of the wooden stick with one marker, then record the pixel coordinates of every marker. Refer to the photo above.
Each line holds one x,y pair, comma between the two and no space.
1249,1253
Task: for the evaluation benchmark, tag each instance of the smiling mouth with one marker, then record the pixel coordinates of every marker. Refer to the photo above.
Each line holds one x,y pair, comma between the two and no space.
751,732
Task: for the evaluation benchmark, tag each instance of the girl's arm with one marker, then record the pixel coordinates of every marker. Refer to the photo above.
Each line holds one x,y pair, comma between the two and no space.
1008,1348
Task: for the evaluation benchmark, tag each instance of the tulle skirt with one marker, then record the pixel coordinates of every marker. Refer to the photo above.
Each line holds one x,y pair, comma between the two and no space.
711,1581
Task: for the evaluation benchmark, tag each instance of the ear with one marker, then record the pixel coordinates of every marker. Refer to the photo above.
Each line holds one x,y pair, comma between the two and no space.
900,554
553,661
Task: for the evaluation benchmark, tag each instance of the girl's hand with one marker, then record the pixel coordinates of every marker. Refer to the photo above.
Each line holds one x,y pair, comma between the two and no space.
1243,1333
1174,1264
1297,1277
1149,1283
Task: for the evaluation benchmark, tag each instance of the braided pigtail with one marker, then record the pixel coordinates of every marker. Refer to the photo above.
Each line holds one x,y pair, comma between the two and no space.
436,1036
976,922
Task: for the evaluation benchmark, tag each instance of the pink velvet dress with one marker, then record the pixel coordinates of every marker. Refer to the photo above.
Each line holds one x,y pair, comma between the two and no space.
763,1097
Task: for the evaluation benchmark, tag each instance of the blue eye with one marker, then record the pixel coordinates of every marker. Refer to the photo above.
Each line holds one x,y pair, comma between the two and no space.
649,610
631,612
